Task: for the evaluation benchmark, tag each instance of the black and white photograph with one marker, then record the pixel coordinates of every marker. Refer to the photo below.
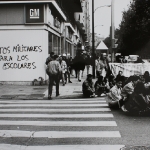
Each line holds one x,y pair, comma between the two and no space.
75,75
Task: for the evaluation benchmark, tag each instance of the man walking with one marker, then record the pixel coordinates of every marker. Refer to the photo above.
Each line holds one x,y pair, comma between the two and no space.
54,73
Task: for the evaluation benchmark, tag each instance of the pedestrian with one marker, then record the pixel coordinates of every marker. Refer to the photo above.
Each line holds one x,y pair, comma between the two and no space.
79,65
50,58
54,73
99,66
64,69
71,65
88,87
67,72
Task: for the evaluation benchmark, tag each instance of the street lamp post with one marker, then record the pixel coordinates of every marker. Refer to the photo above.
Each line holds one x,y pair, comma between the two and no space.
93,36
93,40
112,31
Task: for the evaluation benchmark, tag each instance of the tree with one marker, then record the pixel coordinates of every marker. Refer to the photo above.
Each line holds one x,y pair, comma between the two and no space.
107,40
134,30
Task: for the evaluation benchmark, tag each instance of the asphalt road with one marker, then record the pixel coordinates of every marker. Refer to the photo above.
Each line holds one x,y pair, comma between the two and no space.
68,125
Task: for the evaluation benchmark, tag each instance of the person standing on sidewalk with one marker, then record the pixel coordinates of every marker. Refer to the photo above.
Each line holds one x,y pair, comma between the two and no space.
50,58
99,66
54,73
63,68
67,72
79,64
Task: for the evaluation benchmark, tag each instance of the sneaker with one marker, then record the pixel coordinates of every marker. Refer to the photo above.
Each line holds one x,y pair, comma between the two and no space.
123,109
103,94
70,82
92,96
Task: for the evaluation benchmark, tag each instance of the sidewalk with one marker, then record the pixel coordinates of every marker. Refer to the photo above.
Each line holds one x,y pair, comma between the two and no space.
24,92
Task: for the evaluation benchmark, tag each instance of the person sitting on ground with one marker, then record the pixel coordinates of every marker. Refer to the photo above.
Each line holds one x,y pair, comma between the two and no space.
100,87
129,87
88,87
120,77
112,81
114,96
146,76
136,102
106,83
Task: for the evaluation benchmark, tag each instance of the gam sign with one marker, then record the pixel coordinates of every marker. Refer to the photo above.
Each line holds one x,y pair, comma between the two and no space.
34,14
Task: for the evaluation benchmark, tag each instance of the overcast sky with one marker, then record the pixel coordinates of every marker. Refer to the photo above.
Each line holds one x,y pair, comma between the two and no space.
102,16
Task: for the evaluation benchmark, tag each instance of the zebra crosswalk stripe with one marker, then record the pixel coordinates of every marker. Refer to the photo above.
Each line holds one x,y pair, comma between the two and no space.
57,115
56,110
61,147
52,101
60,134
59,123
52,105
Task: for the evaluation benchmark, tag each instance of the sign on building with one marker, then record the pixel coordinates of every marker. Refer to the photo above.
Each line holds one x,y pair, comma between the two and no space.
34,13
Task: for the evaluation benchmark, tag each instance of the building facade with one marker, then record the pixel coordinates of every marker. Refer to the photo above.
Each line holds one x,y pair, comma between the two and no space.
30,30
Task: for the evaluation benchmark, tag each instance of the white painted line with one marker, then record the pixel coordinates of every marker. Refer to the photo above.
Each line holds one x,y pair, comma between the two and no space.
60,134
52,105
57,115
54,100
59,123
57,110
61,147
51,102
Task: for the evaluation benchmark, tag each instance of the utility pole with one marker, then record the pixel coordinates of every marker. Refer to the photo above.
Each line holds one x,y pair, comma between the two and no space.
93,40
112,31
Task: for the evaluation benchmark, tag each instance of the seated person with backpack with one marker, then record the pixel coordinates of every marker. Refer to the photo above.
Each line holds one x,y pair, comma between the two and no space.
88,87
136,102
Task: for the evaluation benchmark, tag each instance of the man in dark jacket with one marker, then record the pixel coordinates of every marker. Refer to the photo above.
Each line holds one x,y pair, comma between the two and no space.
79,65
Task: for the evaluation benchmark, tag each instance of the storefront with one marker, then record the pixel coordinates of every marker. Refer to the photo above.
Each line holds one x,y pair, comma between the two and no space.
27,41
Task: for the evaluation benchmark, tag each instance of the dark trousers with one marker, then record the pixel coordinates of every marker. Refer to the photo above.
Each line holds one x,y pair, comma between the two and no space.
87,93
52,79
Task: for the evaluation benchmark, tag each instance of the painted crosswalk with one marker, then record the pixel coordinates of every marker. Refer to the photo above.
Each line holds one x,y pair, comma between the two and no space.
74,121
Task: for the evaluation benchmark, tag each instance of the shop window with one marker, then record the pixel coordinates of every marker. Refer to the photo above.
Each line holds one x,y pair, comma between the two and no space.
55,43
50,45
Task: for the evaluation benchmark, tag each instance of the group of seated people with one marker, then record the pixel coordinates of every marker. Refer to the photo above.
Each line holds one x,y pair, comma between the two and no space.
130,95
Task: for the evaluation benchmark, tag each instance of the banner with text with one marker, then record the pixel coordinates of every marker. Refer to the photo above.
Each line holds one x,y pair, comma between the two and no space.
129,69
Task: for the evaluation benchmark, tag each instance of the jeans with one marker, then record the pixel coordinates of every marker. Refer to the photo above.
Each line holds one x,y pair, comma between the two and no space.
53,78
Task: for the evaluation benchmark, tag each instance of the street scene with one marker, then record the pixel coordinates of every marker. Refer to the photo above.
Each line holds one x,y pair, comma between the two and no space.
75,75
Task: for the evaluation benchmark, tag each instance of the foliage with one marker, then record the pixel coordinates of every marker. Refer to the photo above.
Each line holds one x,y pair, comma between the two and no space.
107,40
134,30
